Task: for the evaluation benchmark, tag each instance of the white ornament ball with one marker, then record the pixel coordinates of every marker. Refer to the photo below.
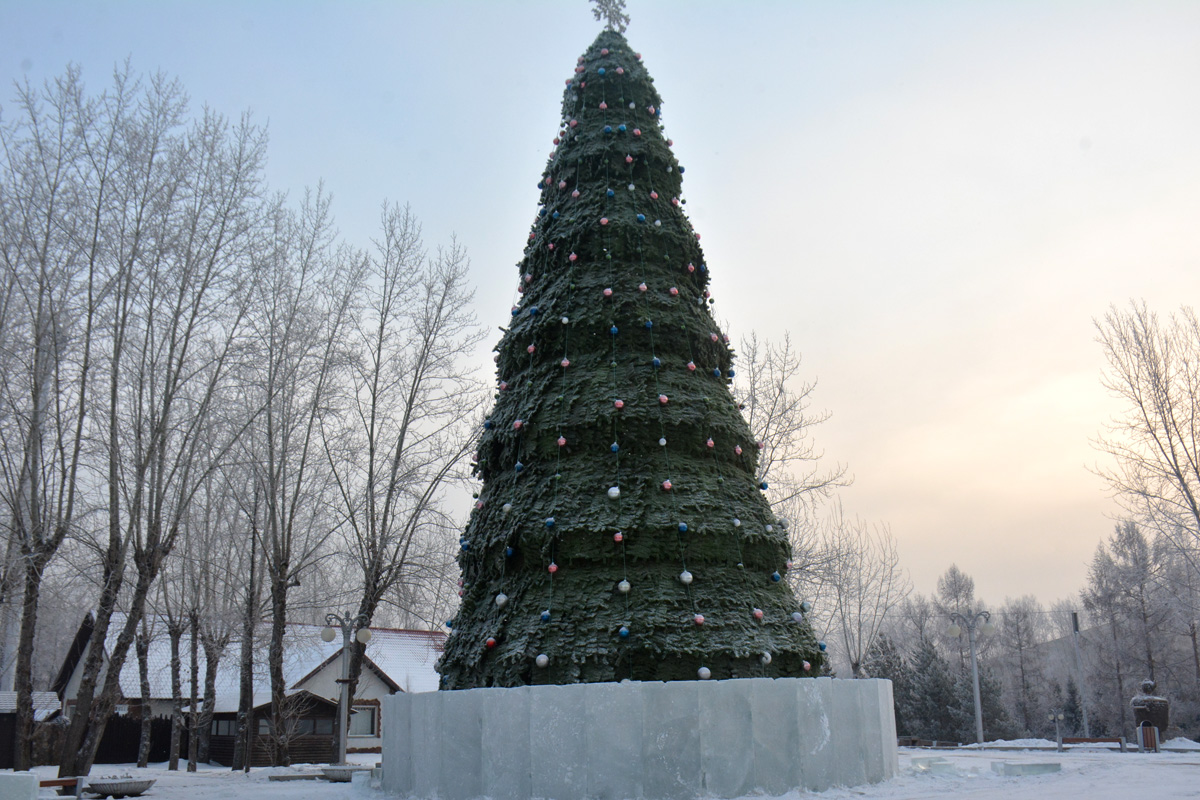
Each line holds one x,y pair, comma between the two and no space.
662,442
542,660
614,492
565,321
704,673
507,507
501,599
770,529
737,523
685,577
623,587
766,658
796,615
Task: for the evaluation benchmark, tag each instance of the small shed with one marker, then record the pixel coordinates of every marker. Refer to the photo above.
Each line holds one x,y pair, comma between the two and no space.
310,734
45,705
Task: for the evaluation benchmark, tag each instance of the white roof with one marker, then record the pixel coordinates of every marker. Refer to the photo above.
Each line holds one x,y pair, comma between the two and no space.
406,657
44,704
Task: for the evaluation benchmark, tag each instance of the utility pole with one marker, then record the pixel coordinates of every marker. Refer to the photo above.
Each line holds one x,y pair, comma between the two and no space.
969,621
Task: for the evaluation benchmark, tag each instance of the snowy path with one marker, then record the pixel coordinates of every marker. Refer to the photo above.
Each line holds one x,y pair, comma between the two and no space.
1090,774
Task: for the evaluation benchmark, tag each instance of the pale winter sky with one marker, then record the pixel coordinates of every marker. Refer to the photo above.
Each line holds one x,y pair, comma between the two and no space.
935,199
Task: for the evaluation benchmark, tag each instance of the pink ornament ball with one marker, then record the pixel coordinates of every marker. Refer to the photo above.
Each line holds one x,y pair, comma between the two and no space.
758,613
619,403
697,237
691,365
710,443
608,292
698,619
583,84
572,257
550,246
761,445
503,385
530,349
642,287
628,159
603,105
575,194
666,486
553,568
713,336
620,70
562,184
637,131
548,181
674,292
691,267
518,425
528,277
653,195
670,143
574,122
532,236
604,51
726,336
478,504
662,399
638,56
807,666
565,363
650,109
604,220
618,537
562,441
674,201
737,449
520,289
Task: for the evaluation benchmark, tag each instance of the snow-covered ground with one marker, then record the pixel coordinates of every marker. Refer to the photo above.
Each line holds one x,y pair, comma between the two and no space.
967,774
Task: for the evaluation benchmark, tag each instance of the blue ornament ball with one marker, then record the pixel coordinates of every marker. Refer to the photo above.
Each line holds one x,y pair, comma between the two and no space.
731,373
487,424
775,576
546,615
533,312
822,646
608,128
614,447
613,330
623,632
508,551
519,466
641,217
683,527
554,215
763,486
649,324
621,128
611,193
600,71
716,373
515,311
549,522
656,362
449,624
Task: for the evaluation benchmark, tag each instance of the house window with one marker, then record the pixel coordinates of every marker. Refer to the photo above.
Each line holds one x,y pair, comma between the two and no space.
224,727
362,721
264,726
323,726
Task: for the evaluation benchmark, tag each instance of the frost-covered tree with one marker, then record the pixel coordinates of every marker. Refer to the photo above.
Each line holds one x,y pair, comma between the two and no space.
612,12
620,531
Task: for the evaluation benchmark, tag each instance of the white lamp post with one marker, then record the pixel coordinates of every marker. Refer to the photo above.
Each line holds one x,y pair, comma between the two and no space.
1057,720
348,624
969,621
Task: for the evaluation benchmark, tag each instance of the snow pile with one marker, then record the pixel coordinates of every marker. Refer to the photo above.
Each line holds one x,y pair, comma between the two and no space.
1013,744
1180,743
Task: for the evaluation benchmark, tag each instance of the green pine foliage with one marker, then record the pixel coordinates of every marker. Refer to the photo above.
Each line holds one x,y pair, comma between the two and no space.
545,532
885,660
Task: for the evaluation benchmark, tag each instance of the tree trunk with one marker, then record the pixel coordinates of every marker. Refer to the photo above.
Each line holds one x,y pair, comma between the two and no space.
214,649
279,588
143,657
175,632
1195,649
242,748
193,712
22,753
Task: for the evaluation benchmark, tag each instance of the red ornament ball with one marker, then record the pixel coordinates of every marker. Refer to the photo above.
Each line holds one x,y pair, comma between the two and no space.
619,403
662,398
653,195
553,568
618,537
604,220
674,292
637,131
490,642
572,257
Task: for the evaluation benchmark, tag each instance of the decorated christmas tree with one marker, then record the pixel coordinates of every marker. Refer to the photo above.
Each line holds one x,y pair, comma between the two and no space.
620,531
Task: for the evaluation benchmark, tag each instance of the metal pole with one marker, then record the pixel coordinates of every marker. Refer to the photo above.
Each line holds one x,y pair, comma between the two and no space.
975,682
343,702
1087,729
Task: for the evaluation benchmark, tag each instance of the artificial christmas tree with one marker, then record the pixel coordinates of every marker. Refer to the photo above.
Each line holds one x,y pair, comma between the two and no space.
619,531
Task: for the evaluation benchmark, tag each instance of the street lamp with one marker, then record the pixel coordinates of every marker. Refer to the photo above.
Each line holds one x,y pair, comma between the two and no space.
1057,720
969,621
358,626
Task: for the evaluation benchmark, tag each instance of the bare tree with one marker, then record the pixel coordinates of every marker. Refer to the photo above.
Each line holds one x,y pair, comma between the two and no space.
177,314
58,158
866,582
1022,629
302,309
410,415
1155,369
